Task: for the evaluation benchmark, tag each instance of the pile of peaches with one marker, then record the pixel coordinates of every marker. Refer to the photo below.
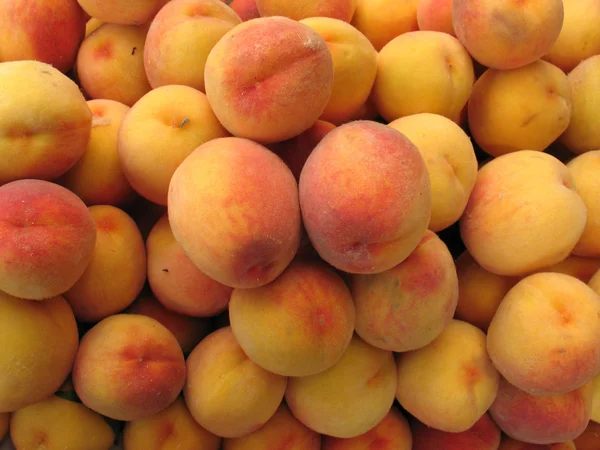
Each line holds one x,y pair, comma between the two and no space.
300,225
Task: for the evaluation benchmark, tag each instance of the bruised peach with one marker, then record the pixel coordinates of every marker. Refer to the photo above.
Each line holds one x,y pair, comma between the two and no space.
298,10
435,15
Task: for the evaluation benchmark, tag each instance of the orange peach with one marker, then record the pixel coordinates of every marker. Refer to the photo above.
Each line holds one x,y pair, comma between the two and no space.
512,444
351,397
409,305
110,63
524,214
180,38
173,427
131,12
217,371
507,34
450,383
273,91
245,9
300,324
47,238
298,10
435,15
423,72
589,439
4,420
128,367
545,336
46,121
39,342
159,132
237,225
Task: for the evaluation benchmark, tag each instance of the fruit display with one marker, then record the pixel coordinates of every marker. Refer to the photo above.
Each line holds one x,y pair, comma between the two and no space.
300,225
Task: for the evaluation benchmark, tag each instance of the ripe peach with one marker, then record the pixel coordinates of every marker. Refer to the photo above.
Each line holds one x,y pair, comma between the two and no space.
450,383
273,91
589,439
512,444
335,9
132,12
217,371
365,197
46,121
245,9
435,15
128,367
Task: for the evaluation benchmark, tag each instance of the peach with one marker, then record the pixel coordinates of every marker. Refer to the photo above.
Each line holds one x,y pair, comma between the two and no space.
173,427
524,214
39,342
91,25
450,383
542,419
392,433
110,63
4,419
237,225
48,31
300,324
245,9
354,67
409,305
582,133
159,132
128,367
351,397
180,38
507,34
589,439
594,282
423,72
520,109
282,431
579,36
451,163
336,9
117,272
484,435
97,178
55,423
132,12
382,20
545,336
512,444
576,266
47,238
595,413
217,371
188,331
273,91
435,15
47,122
365,197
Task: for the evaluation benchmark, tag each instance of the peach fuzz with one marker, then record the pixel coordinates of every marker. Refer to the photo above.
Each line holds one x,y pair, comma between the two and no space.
451,162
49,31
47,122
560,354
57,423
589,439
542,419
392,433
188,331
409,305
128,367
217,202
435,15
39,343
173,427
217,371
484,435
97,177
159,132
507,34
524,214
450,383
47,238
176,281
512,444
300,324
582,133
274,91
335,9
520,109
4,420
282,431
351,397
110,63
354,67
423,72
91,25
180,38
117,272
365,197
132,12
382,20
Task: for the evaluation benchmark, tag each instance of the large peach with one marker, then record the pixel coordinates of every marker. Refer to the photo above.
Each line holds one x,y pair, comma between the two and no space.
365,197
128,367
298,10
273,91
131,12
435,15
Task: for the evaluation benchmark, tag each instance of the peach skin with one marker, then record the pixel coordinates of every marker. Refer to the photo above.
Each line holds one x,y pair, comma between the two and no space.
576,266
435,15
245,9
132,12
335,9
